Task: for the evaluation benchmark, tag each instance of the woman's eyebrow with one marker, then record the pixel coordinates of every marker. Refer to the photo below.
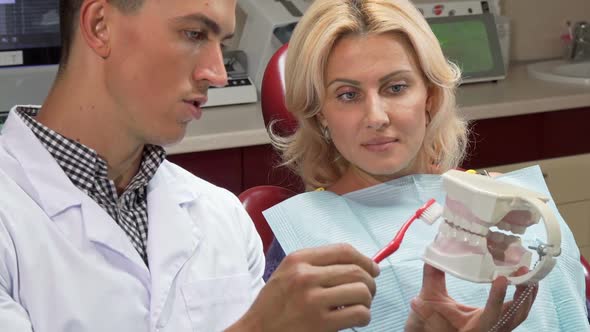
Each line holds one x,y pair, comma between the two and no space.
344,80
391,75
382,80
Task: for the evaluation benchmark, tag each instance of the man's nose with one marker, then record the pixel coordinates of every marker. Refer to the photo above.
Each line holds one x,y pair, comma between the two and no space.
211,67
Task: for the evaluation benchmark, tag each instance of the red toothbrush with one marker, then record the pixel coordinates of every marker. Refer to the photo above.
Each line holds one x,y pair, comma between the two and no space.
429,213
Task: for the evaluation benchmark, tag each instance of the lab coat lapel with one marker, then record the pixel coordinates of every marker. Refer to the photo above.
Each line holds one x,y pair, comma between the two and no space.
173,235
47,184
35,170
104,231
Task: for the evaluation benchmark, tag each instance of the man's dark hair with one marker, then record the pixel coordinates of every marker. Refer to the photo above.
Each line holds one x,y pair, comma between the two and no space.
69,11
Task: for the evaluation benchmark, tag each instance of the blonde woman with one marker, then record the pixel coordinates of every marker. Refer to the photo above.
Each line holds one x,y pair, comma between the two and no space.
419,84
375,100
374,97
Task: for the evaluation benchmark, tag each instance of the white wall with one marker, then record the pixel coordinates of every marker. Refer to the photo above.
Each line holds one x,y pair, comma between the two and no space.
537,25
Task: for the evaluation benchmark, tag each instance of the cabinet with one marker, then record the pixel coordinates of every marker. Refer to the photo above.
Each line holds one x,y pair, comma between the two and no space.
260,167
220,167
238,169
557,141
508,140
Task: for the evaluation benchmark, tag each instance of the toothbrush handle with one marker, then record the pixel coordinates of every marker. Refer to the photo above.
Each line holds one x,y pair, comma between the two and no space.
392,246
385,252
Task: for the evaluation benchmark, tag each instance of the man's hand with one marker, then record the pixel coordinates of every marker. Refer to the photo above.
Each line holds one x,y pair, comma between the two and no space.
321,289
435,310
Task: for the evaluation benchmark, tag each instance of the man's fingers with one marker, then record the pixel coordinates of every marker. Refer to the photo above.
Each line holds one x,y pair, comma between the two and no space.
328,267
335,254
335,275
347,317
346,295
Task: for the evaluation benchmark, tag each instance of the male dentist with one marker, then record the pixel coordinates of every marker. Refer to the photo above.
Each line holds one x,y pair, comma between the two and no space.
98,232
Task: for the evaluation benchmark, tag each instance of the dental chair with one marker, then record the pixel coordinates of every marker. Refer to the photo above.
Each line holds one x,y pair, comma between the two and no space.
260,198
272,94
586,266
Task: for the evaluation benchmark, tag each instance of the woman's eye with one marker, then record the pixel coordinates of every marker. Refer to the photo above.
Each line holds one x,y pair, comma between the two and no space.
195,35
397,88
347,96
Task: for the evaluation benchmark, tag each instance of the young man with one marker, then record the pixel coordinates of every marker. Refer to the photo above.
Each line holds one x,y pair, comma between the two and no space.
99,233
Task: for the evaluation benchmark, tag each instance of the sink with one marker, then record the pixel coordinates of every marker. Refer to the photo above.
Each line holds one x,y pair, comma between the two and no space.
561,71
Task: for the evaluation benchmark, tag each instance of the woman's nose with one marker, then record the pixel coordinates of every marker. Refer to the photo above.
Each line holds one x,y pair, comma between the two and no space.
376,113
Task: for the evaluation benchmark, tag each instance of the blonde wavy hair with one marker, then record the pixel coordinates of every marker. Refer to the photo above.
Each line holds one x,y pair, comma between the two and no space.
318,162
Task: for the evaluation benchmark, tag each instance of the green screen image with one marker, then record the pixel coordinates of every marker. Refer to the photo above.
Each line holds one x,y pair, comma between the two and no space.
466,44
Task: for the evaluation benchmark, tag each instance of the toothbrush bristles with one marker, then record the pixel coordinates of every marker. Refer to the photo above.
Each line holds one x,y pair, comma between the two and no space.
432,213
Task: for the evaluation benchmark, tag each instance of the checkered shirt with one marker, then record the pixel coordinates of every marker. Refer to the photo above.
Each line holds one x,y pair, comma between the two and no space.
89,172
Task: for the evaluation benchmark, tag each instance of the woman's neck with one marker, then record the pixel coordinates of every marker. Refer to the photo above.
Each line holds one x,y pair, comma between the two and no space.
355,179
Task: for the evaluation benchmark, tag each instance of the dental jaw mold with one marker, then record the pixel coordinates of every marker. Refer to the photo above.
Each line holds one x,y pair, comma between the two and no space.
466,247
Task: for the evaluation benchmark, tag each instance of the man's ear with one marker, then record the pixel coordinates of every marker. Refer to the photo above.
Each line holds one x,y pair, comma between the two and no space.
94,27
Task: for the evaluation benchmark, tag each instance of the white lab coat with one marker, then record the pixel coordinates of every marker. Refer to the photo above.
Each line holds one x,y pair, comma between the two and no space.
65,265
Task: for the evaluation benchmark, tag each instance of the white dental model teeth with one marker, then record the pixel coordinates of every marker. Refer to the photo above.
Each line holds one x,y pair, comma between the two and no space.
467,248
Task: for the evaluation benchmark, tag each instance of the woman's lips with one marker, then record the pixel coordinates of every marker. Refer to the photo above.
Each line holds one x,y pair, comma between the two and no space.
379,144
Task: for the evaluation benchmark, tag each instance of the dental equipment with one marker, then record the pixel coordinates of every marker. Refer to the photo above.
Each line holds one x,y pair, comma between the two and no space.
467,248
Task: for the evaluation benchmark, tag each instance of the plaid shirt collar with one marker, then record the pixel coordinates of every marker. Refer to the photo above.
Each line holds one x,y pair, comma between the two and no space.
82,165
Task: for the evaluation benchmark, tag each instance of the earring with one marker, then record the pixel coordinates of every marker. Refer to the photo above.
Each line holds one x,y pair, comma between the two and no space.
326,134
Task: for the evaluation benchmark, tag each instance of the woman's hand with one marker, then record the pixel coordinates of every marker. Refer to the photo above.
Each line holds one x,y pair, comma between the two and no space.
435,310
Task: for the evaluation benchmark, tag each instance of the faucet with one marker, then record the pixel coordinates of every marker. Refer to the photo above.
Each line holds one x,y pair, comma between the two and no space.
579,49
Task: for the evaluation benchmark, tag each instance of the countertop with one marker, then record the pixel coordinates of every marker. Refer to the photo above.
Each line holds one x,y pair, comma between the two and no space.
233,126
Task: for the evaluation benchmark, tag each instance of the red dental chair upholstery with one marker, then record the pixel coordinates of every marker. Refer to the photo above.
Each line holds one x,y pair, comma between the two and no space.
272,99
272,95
587,275
260,198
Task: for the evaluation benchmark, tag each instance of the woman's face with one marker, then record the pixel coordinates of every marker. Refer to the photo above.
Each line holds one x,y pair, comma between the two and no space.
376,103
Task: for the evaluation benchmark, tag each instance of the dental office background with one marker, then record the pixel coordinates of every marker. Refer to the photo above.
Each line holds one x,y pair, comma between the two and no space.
232,148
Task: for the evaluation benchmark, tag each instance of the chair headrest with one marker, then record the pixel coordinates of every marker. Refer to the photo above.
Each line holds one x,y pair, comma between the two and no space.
272,95
258,199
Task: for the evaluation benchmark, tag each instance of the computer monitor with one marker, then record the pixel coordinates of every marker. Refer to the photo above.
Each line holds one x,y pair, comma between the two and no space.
29,50
471,42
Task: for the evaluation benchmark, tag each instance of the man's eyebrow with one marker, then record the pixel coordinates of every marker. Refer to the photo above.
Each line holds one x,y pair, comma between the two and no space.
204,20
